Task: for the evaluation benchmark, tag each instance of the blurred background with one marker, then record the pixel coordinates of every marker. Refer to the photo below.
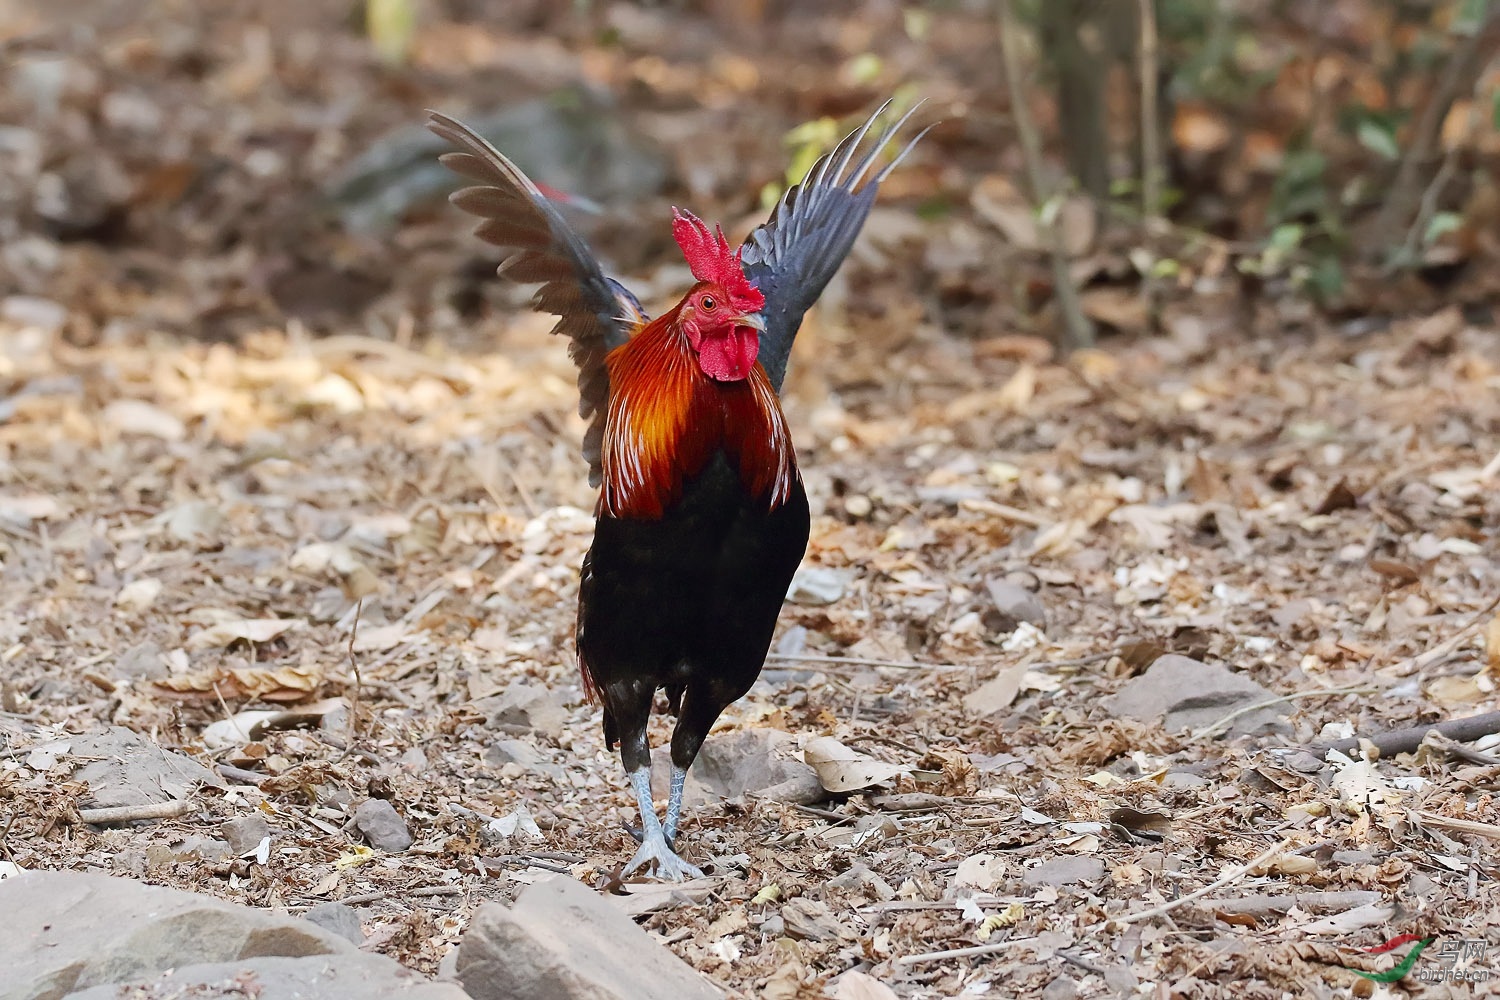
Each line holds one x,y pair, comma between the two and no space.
218,170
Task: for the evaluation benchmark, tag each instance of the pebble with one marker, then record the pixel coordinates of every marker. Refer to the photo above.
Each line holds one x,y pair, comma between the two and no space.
382,826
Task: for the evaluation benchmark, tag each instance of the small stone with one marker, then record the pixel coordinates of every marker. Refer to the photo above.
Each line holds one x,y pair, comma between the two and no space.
336,917
817,586
29,310
563,941
513,751
810,920
125,768
1353,857
1183,780
245,833
1184,693
858,505
765,763
327,977
1061,988
1065,871
1014,604
527,707
67,931
382,826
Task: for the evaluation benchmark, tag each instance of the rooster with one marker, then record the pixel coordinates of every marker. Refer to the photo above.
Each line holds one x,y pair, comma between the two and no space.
702,517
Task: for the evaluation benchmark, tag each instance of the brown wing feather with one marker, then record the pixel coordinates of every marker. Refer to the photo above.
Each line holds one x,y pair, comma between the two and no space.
595,313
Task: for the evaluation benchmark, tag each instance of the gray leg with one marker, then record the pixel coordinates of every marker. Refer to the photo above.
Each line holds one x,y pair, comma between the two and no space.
655,853
674,804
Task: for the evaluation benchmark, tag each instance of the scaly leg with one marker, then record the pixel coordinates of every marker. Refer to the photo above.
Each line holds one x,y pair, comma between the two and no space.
655,852
674,804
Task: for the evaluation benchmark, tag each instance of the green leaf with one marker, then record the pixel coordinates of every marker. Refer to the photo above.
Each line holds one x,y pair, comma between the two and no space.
1286,237
391,25
1470,17
1441,225
1378,138
863,70
917,22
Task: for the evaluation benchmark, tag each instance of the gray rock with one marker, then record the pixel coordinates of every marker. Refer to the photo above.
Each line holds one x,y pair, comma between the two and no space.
523,755
563,941
761,762
1061,988
133,771
1065,871
382,826
527,707
1184,693
1014,604
67,931
329,977
245,833
810,920
195,848
340,919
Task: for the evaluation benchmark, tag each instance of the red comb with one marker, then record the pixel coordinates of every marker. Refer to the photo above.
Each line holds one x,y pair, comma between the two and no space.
710,259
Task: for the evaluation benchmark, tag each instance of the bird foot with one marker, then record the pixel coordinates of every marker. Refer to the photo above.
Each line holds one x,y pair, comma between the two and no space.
657,856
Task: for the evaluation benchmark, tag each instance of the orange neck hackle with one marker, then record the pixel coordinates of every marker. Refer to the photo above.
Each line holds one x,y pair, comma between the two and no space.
667,418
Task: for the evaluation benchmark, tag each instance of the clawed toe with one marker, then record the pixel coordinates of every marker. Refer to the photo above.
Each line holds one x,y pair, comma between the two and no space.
656,857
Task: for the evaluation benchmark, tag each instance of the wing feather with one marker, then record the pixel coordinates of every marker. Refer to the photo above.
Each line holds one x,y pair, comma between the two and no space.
595,313
793,255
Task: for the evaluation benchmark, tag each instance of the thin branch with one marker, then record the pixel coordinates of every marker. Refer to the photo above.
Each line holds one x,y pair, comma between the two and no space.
1459,74
1078,331
1255,706
1151,157
1233,875
981,949
107,815
1408,740
1487,830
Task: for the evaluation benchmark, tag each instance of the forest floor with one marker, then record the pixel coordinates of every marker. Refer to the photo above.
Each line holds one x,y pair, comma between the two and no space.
378,522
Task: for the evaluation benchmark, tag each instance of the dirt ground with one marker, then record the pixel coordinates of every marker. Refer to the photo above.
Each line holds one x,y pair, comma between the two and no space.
362,495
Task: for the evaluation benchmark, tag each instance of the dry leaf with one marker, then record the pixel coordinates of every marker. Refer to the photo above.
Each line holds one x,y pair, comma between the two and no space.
841,769
283,684
858,986
246,629
136,416
1492,646
996,693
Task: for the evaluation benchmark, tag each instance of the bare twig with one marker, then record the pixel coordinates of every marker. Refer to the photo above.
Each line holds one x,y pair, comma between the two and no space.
1151,158
1256,706
107,815
239,774
981,949
1472,827
1421,661
861,661
359,608
1265,906
1458,76
1234,875
1407,740
1077,330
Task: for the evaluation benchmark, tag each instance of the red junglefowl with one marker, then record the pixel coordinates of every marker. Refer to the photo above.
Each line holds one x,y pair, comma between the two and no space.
701,518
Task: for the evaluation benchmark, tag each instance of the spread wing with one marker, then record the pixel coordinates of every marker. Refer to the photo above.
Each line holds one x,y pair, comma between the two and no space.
793,255
596,313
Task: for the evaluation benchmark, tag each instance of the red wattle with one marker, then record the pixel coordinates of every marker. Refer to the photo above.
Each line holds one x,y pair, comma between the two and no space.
728,354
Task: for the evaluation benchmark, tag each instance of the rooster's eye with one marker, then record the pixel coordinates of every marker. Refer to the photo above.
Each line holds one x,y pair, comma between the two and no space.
708,303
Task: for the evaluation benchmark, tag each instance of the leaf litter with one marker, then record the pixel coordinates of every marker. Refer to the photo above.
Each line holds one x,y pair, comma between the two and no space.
344,569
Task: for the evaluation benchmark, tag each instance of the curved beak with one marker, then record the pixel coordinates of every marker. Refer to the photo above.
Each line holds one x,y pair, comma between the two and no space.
753,321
